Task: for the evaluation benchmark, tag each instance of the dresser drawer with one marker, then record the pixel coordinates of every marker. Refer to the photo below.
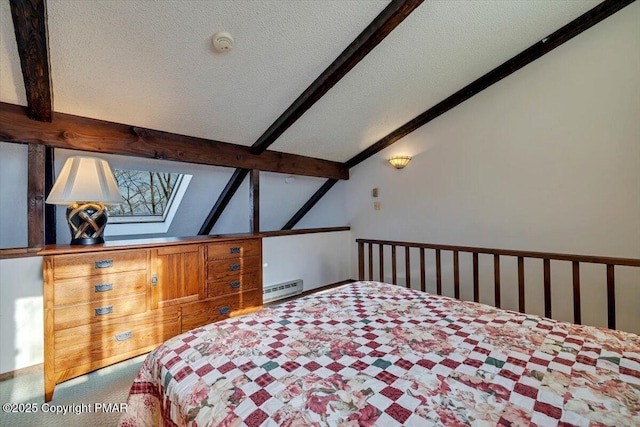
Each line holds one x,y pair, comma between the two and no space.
212,310
227,267
89,344
98,288
234,283
74,315
237,249
70,266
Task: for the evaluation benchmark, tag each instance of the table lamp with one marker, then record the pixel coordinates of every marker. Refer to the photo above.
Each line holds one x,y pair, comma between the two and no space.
85,184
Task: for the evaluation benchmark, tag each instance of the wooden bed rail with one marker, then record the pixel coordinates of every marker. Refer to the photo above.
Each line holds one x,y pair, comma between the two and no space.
611,263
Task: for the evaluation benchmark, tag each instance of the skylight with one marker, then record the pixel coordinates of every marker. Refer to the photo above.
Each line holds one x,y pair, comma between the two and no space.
150,201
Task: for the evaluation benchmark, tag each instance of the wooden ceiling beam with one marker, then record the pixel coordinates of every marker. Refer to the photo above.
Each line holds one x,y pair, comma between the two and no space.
35,196
367,40
49,209
254,201
564,34
81,133
30,24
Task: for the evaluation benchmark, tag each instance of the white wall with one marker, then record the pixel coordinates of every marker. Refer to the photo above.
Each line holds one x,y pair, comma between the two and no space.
548,159
21,315
280,200
13,195
330,210
318,259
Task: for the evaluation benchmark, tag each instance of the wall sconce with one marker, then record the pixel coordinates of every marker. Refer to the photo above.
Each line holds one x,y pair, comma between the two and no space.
399,162
85,184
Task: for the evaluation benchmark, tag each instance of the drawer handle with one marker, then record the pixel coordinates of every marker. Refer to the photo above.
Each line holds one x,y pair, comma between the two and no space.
104,263
234,267
234,285
104,287
101,311
123,336
224,310
235,250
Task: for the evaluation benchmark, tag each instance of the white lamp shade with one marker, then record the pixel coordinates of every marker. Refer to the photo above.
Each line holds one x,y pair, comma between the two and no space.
85,179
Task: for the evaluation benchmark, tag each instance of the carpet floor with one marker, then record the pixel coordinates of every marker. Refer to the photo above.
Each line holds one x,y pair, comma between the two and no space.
85,398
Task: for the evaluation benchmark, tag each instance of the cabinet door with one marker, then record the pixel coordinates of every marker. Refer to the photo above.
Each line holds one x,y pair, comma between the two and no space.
177,275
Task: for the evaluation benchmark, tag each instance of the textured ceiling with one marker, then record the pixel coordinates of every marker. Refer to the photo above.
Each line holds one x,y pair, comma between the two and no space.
437,50
150,63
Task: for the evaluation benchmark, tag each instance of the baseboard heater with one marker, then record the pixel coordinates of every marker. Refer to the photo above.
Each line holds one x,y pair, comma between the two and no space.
281,290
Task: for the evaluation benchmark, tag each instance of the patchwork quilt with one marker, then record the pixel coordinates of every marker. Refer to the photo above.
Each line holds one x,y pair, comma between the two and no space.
374,354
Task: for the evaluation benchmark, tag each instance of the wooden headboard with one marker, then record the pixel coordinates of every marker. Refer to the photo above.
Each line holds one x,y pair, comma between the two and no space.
575,260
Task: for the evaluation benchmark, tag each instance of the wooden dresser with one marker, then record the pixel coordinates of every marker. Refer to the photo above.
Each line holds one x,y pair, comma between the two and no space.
110,302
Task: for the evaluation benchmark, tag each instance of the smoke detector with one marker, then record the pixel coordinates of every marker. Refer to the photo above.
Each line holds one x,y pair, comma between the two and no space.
222,41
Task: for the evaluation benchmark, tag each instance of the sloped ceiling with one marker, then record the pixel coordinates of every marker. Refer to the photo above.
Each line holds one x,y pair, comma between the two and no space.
151,64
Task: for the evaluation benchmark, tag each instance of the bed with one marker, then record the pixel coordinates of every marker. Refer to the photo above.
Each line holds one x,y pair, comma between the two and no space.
371,353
